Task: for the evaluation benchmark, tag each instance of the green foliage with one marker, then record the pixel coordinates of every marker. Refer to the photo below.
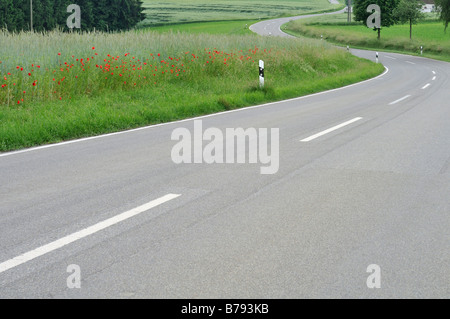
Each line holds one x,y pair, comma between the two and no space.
387,8
444,10
103,15
408,11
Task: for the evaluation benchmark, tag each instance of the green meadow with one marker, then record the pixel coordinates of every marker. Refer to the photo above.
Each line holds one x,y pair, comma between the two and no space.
428,33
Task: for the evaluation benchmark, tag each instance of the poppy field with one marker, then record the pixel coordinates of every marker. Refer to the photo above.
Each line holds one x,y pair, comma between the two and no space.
57,86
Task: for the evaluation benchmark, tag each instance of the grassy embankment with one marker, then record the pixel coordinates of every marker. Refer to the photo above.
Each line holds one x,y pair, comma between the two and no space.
429,33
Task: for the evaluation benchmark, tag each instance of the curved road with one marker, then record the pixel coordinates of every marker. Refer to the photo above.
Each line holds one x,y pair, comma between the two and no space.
364,178
273,27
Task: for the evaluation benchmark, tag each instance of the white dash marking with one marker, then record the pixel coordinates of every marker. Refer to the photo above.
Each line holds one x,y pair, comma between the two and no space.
425,86
434,78
409,62
334,128
399,100
26,257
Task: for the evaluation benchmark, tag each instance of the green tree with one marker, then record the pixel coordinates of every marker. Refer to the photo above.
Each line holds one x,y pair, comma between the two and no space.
103,15
443,7
408,11
387,8
10,15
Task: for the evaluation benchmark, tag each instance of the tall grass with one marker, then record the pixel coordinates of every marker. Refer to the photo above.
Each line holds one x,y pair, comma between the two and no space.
63,66
75,85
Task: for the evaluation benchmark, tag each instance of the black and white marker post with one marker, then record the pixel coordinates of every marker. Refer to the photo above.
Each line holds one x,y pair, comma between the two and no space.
261,74
421,50
377,57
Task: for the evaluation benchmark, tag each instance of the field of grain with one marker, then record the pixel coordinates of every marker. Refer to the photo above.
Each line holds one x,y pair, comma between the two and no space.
181,11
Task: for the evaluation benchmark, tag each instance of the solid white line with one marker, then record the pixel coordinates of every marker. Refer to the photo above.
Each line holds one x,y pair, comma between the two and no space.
434,78
16,261
334,128
425,86
399,100
409,62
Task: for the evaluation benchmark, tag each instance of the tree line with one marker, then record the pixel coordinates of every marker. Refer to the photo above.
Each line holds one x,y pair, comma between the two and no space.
399,11
102,15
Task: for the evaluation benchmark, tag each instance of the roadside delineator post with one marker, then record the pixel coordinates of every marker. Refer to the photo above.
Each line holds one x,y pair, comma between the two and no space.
377,57
261,74
421,50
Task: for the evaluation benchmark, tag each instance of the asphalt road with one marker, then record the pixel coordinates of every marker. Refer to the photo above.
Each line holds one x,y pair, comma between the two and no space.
374,191
273,27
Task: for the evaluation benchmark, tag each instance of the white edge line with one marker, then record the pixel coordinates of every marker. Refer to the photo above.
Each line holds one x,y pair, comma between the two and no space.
425,86
334,128
16,261
189,119
399,100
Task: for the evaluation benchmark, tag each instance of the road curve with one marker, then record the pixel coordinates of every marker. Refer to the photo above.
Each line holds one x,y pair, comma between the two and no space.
372,191
273,27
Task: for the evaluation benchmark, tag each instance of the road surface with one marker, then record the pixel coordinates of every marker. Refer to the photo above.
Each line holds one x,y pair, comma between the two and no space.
363,179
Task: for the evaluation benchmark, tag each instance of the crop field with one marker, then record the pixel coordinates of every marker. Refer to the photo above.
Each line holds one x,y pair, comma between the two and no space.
182,11
236,27
428,33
